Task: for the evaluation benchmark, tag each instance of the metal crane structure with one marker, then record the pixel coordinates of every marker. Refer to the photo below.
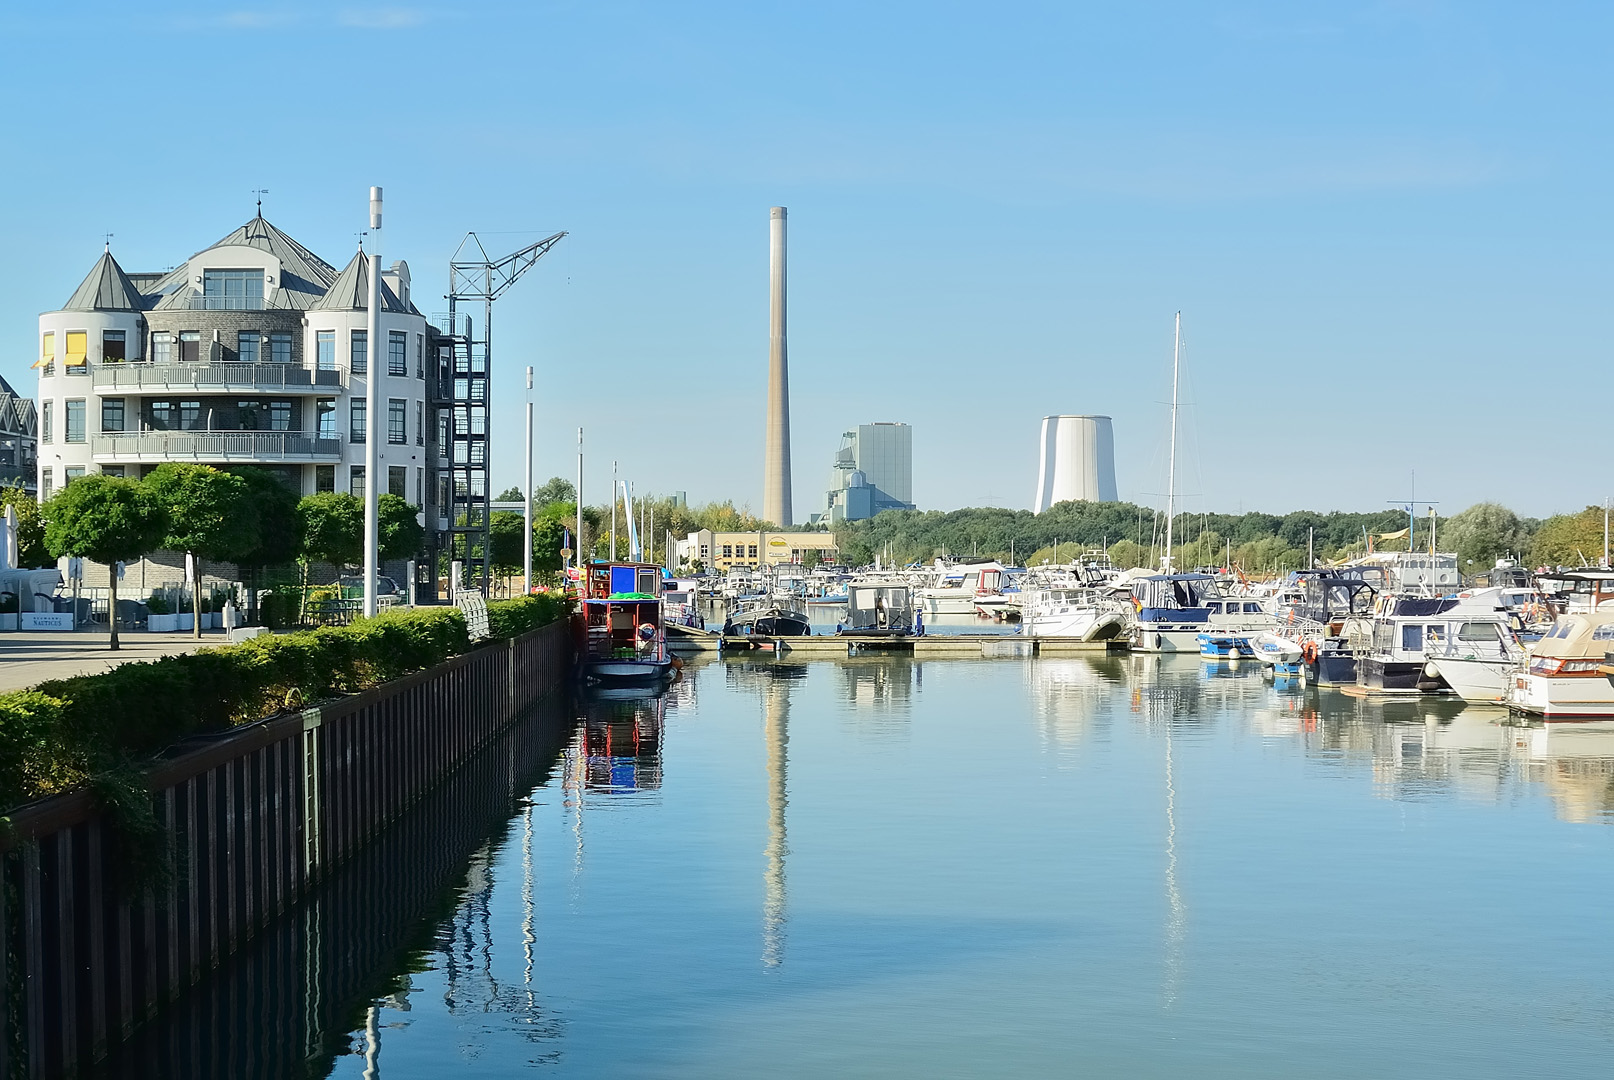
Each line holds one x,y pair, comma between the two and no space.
463,386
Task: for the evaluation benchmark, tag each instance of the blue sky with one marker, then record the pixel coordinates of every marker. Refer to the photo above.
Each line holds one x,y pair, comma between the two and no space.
1385,222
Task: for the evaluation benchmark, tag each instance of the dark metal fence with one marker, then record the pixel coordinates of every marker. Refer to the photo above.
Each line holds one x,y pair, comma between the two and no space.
252,820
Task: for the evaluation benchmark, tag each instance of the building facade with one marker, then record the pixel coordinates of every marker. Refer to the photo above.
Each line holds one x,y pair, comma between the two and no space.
254,351
19,440
722,550
873,471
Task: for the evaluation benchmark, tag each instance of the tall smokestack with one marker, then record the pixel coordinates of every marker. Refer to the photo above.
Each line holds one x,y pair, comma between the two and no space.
776,456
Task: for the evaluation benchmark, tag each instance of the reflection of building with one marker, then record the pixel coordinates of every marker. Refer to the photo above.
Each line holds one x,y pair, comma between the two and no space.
721,550
1077,461
873,472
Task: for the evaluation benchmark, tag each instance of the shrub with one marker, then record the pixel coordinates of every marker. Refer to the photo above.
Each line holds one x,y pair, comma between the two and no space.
508,618
35,758
157,604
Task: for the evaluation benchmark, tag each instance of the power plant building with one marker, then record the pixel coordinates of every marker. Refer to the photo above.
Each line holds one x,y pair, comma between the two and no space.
873,471
1077,461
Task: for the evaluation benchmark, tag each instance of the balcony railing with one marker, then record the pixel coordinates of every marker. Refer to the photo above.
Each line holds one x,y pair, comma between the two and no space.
245,446
198,302
222,376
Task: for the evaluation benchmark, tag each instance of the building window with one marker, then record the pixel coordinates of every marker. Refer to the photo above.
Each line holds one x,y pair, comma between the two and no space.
324,478
46,427
325,410
442,496
162,348
249,346
111,414
280,416
356,351
73,472
164,415
442,433
420,351
190,416
420,486
74,424
420,423
397,353
232,290
753,551
47,486
77,361
111,470
727,551
355,481
114,346
280,348
246,413
397,410
190,346
356,420
47,353
325,350
398,481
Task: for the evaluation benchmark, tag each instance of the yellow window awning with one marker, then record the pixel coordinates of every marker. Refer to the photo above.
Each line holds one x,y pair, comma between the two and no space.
78,348
47,350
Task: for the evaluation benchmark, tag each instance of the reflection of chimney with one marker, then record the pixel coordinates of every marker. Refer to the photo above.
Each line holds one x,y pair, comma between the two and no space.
776,452
776,733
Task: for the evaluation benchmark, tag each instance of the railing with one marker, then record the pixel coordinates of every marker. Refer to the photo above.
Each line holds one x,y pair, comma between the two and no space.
198,302
213,446
222,375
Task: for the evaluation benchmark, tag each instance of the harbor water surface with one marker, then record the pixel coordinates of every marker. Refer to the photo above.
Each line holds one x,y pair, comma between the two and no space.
1132,866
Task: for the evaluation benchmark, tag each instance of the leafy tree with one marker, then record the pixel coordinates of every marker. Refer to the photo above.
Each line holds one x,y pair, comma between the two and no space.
400,533
1569,539
276,541
210,515
548,534
509,494
30,527
330,528
1481,533
107,519
1127,554
506,529
556,490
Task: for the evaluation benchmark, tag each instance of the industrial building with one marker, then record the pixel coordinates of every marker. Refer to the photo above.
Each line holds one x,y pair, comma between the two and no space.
722,550
873,471
19,439
1077,461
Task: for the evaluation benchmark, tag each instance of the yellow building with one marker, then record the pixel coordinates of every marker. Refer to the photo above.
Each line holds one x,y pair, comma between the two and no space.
721,550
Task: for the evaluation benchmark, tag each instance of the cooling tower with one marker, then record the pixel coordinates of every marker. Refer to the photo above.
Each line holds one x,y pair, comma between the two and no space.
1078,461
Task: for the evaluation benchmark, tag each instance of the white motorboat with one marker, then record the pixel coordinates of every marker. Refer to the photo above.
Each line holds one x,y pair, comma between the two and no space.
957,587
1072,611
1565,678
1276,650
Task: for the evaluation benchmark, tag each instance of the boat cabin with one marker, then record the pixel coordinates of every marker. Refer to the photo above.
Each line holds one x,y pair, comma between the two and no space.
1577,590
619,607
1175,597
878,608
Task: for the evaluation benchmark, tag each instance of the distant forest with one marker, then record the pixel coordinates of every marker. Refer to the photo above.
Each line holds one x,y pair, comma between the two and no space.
1258,543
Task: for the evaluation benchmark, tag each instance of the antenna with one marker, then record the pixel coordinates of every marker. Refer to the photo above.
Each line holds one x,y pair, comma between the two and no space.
109,242
260,193
1412,503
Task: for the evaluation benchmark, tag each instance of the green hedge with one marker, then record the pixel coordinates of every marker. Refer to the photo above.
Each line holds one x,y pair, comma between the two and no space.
64,732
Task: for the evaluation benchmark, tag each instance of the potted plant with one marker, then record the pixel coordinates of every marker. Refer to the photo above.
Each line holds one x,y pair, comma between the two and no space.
186,613
159,614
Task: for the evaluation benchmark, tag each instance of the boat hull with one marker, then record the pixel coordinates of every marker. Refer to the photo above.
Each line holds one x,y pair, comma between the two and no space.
1167,637
1334,669
624,672
1579,697
1404,676
1484,682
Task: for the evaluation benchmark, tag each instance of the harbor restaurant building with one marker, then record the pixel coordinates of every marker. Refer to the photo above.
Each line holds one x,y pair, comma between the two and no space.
722,550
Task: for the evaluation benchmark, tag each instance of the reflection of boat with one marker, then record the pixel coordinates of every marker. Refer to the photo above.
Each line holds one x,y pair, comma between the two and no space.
620,741
620,636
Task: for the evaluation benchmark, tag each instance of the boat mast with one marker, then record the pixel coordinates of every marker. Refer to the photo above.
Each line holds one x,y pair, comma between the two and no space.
1171,474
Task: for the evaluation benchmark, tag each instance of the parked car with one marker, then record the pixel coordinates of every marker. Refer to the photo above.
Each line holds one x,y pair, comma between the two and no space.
385,589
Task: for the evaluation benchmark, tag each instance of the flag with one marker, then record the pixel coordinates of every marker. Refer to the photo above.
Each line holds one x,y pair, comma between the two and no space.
1399,535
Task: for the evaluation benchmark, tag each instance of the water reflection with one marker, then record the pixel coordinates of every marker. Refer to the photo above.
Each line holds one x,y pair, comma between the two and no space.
617,747
773,681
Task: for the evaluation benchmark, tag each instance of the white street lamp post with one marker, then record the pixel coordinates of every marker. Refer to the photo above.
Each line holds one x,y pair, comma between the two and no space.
372,413
526,529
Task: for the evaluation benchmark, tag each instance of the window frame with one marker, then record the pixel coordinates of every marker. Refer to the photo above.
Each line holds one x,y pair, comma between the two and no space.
358,415
397,421
122,408
397,352
67,421
358,352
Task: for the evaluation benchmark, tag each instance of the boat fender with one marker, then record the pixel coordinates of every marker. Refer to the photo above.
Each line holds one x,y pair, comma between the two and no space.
1431,670
1309,652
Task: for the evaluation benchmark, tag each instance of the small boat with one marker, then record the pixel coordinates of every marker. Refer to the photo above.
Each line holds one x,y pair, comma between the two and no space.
1282,654
620,637
959,586
776,616
880,607
1224,646
1568,676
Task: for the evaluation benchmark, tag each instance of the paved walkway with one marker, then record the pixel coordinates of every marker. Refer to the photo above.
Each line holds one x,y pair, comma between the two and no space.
29,657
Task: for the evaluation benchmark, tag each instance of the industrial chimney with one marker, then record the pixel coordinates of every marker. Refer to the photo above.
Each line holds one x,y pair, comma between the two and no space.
776,456
1078,461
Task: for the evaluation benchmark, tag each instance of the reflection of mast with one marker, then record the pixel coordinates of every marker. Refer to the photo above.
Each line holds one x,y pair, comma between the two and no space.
372,1045
527,936
776,733
1176,913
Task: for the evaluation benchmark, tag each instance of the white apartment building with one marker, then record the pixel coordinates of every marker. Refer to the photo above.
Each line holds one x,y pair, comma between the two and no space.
253,351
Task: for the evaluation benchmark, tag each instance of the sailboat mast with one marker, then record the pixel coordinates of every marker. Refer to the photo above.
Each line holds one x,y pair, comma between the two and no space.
1171,474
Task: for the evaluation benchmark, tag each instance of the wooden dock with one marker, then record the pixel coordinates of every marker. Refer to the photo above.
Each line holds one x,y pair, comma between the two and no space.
687,641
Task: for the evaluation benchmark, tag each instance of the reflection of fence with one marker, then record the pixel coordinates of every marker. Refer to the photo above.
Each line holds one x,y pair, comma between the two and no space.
252,819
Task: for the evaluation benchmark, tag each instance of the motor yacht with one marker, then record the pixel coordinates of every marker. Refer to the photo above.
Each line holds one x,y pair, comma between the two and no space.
1566,677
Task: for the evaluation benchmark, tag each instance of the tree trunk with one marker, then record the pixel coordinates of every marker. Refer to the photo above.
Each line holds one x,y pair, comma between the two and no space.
112,611
196,596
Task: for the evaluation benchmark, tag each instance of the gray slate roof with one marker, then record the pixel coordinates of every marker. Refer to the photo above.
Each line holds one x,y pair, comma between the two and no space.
107,288
351,291
17,416
304,276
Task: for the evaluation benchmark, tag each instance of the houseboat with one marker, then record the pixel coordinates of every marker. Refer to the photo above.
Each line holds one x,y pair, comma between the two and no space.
621,640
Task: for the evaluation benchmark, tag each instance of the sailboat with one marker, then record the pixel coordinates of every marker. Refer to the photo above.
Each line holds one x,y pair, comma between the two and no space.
1171,609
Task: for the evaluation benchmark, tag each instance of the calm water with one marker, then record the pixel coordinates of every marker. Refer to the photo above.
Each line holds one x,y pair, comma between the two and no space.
1138,867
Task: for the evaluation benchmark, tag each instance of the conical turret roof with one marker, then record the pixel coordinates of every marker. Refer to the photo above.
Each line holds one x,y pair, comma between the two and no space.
107,288
351,291
304,276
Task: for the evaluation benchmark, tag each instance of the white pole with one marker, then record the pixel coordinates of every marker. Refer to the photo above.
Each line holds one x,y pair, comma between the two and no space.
372,412
614,483
526,529
577,538
1605,532
1171,475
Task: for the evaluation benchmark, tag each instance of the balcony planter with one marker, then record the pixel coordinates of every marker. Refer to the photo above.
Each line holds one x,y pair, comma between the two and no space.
161,623
187,620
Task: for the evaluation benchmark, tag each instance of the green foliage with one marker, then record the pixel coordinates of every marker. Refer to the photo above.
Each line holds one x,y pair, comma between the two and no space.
157,604
1569,539
1128,554
330,527
281,608
398,524
210,511
30,527
104,518
556,490
1482,533
90,727
509,494
548,534
274,542
507,530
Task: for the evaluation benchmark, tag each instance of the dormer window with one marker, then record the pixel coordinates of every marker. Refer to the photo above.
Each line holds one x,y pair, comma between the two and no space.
232,290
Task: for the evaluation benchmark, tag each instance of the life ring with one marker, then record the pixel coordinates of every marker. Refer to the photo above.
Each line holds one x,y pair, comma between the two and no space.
1309,652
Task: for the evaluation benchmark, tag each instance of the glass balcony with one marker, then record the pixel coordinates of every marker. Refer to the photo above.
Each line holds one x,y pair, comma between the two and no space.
244,447
224,377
